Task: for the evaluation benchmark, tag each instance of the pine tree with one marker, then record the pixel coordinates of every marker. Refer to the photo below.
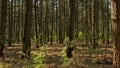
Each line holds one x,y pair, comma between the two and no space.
3,26
115,8
27,30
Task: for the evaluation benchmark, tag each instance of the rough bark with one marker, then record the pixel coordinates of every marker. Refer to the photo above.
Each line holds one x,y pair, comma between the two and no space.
73,11
27,30
60,23
11,25
2,26
115,7
36,27
72,19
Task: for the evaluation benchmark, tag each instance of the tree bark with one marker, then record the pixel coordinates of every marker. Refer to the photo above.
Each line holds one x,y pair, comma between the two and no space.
115,8
2,26
72,19
11,25
71,31
60,23
36,23
27,30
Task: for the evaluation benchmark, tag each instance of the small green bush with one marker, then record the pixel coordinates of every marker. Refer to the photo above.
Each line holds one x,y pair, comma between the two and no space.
80,35
54,37
39,58
64,58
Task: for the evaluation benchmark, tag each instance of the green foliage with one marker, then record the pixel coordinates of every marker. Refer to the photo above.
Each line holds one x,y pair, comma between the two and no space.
66,39
38,39
105,36
25,55
39,58
64,58
100,35
110,37
54,37
80,35
35,40
69,43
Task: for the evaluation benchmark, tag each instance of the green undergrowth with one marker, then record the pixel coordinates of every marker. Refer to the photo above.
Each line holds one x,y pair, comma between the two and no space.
39,58
64,58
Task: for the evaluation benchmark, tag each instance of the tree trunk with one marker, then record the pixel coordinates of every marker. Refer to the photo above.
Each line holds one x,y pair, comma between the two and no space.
2,26
11,25
73,11
115,7
60,23
72,19
36,26
27,30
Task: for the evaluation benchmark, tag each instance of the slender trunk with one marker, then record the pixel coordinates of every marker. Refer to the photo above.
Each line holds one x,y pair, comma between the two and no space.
36,30
72,19
60,23
11,25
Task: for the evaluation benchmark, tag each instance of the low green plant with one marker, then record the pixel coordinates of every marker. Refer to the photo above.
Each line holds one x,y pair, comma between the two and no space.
25,55
64,58
66,38
34,39
39,58
66,41
54,37
100,35
80,35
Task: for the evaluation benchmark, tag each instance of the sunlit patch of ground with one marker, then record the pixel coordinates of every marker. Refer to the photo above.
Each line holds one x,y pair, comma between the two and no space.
82,58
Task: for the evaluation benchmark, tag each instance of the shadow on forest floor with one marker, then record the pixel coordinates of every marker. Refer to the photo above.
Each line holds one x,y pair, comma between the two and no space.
82,58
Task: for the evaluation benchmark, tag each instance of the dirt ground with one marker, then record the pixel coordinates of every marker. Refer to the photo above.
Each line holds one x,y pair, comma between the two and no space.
83,57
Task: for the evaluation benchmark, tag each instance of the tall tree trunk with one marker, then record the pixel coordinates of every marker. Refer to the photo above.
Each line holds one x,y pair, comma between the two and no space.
11,25
41,22
52,19
2,26
19,21
115,7
27,30
72,19
36,27
108,30
60,23
103,21
95,24
73,11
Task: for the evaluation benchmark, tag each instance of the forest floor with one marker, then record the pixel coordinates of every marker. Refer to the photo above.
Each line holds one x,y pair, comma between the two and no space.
83,57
